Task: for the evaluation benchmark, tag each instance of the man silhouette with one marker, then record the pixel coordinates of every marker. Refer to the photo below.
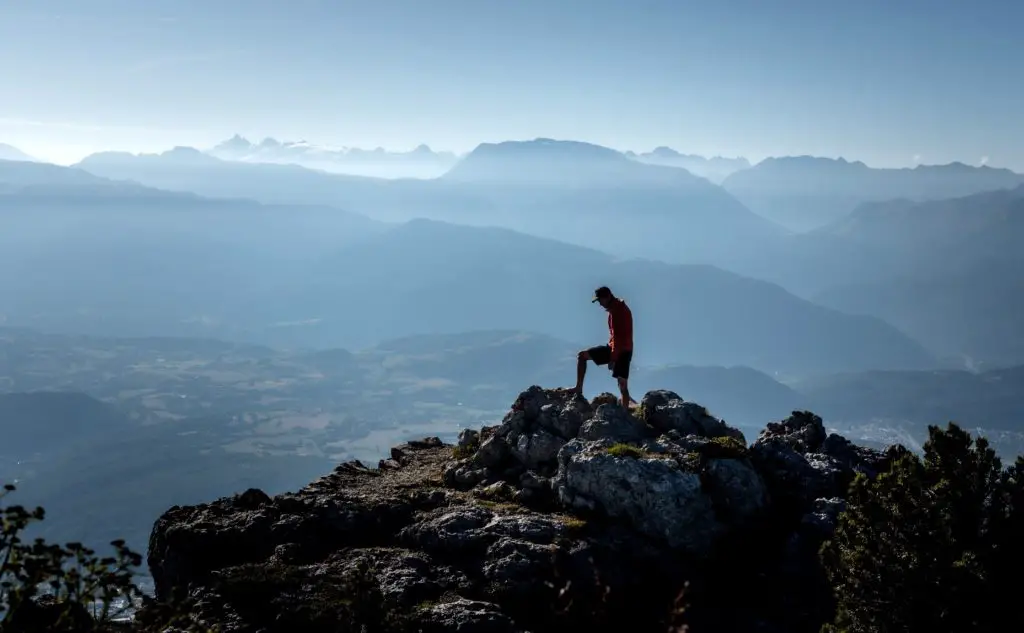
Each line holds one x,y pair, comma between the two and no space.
618,353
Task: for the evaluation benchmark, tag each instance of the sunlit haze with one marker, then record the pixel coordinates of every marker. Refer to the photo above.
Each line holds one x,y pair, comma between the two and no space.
892,84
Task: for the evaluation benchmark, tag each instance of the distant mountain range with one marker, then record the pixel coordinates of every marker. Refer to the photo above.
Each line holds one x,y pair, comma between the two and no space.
805,192
175,263
421,162
943,270
897,239
715,169
573,191
948,272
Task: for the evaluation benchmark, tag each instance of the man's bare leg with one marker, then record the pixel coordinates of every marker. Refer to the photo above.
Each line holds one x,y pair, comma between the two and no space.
581,371
624,389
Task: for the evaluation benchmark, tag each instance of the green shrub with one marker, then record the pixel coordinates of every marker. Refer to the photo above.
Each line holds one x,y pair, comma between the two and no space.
625,450
54,588
932,545
71,577
725,448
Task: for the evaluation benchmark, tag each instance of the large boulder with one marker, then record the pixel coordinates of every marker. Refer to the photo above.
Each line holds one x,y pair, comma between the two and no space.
612,422
529,437
652,491
674,472
688,491
801,462
665,411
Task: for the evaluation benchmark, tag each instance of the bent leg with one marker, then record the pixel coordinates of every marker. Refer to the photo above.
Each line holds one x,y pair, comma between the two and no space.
581,371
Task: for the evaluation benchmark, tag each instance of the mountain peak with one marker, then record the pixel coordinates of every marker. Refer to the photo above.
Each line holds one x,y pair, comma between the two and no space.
186,155
538,161
665,152
807,161
419,162
715,168
9,152
235,143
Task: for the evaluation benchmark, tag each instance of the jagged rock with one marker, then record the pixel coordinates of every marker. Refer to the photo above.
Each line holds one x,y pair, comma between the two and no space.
612,422
529,437
603,398
493,452
410,578
554,410
468,439
532,481
795,477
498,491
823,517
737,490
855,458
251,499
564,419
465,616
801,464
566,515
463,474
654,493
803,431
538,449
456,530
665,411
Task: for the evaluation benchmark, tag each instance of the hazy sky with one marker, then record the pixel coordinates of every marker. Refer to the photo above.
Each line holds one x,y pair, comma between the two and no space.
889,82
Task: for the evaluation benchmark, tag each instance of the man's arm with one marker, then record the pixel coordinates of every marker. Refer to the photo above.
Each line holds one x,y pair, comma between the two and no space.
622,325
615,318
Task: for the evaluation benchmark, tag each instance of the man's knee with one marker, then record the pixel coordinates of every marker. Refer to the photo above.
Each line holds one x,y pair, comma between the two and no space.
583,356
623,383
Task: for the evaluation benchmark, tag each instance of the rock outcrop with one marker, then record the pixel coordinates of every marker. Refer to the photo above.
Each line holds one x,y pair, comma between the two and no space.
567,513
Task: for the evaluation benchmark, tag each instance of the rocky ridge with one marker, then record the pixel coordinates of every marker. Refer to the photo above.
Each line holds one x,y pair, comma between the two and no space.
568,512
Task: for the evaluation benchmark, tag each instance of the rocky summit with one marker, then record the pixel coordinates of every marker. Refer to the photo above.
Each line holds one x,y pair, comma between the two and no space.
567,513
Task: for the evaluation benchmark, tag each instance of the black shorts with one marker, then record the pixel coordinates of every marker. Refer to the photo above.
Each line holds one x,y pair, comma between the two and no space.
603,353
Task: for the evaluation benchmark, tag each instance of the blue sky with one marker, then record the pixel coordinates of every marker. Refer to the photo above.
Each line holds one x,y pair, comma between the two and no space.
887,82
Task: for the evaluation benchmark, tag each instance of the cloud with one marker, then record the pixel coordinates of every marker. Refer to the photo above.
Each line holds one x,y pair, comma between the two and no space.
916,158
983,161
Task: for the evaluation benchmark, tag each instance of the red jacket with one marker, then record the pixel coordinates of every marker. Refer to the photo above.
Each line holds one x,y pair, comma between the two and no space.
620,327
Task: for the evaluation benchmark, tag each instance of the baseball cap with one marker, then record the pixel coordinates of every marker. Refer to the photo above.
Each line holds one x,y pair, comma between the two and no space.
601,293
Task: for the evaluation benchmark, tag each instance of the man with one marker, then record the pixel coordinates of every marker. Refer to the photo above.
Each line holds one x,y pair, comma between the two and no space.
618,353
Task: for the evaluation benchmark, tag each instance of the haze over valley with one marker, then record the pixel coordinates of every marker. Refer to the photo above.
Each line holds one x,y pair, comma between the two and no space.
255,318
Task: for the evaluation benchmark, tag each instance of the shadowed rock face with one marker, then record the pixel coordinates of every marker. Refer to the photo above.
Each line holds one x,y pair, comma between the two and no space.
567,513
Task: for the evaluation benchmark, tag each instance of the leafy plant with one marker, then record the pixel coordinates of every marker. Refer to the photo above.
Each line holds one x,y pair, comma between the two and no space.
933,544
62,585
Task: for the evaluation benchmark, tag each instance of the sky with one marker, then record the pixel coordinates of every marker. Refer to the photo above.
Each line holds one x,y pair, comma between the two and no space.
888,83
